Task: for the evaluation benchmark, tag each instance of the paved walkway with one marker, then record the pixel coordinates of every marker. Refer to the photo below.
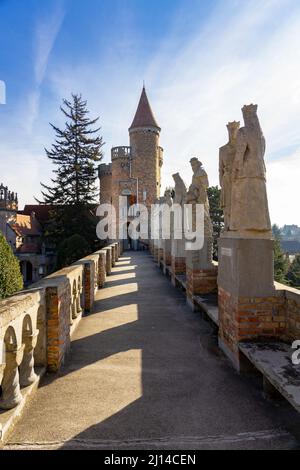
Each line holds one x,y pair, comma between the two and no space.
145,372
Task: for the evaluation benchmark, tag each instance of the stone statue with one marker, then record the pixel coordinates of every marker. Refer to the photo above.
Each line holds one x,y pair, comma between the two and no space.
180,189
168,197
226,158
249,203
197,193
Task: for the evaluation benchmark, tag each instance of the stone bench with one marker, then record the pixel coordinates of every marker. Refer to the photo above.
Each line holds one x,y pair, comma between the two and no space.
180,280
209,305
274,361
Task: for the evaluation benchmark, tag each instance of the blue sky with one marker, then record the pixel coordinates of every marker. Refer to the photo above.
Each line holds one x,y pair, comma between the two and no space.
201,61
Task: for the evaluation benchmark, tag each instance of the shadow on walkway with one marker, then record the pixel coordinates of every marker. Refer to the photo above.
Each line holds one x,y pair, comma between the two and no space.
146,372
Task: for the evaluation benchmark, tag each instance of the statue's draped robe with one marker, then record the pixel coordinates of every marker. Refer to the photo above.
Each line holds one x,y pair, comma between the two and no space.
226,158
197,194
249,203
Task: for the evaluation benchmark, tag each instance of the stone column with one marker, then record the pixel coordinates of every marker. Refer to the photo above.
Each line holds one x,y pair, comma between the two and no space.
178,259
108,260
11,394
116,251
78,298
102,269
167,241
248,307
27,374
161,241
113,255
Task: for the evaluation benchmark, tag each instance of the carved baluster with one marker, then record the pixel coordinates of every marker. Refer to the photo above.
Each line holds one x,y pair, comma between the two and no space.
78,298
27,374
11,394
74,301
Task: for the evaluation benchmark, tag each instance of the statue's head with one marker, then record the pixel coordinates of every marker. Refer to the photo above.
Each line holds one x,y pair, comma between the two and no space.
249,112
233,128
176,177
195,164
168,195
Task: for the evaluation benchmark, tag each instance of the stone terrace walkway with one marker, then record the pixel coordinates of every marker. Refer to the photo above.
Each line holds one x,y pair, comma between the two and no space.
145,372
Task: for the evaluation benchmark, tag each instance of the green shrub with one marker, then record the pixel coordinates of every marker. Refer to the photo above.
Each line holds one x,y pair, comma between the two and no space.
11,280
71,250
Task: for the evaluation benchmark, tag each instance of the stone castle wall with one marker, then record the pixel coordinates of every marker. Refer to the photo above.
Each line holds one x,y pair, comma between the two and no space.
146,163
105,176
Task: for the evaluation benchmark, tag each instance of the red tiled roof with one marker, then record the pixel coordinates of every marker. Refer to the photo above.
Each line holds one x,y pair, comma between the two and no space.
42,211
26,225
29,248
144,116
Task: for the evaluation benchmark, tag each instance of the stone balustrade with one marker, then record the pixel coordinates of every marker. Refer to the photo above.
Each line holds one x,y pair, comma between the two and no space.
36,325
22,343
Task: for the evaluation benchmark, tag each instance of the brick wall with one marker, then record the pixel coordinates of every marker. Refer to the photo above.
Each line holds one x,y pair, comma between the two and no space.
292,311
146,157
244,319
105,183
200,281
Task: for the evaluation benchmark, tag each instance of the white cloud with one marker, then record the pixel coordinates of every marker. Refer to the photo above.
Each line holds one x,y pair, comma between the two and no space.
197,81
2,92
46,34
284,189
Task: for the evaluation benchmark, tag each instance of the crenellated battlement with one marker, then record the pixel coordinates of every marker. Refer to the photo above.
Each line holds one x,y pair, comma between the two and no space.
8,199
104,169
120,152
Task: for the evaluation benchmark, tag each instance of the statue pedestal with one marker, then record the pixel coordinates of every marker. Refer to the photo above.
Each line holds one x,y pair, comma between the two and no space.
167,254
155,250
248,306
178,259
201,273
160,252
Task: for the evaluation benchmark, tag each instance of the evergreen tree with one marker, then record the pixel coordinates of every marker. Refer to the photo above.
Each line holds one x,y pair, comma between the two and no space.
216,215
75,153
293,275
71,250
281,262
11,280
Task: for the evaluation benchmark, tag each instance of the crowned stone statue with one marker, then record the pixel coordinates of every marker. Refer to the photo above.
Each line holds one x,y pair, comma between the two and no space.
249,202
226,158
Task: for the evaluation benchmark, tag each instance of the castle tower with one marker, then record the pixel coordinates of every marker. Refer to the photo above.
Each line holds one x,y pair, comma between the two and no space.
135,171
8,208
147,155
105,176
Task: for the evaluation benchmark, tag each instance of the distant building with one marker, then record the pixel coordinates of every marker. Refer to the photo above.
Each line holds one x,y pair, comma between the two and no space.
290,239
291,232
135,170
24,232
291,247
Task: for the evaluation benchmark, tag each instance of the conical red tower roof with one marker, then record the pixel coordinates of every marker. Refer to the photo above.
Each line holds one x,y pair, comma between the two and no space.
144,116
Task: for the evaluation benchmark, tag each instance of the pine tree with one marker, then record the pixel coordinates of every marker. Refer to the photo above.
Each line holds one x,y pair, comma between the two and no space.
216,215
293,275
76,151
281,263
11,279
71,250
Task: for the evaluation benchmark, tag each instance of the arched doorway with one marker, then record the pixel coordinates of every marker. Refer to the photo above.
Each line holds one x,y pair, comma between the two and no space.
29,271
